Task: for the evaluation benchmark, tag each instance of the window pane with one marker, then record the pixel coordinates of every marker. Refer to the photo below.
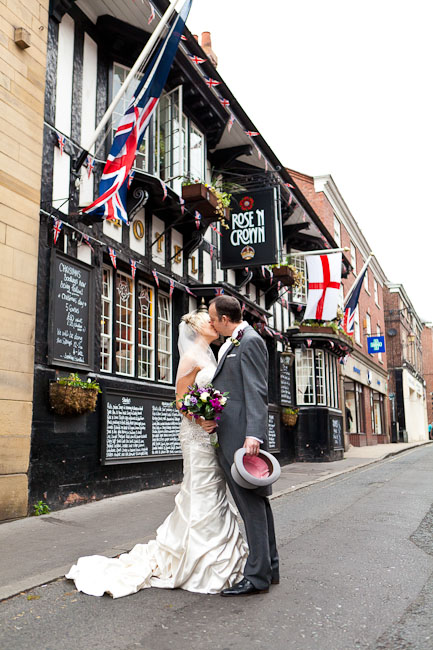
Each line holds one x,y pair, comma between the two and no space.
305,376
124,324
106,320
320,377
196,153
145,346
299,294
164,339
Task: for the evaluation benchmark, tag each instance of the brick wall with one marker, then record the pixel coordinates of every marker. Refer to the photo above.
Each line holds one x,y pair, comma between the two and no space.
427,358
22,84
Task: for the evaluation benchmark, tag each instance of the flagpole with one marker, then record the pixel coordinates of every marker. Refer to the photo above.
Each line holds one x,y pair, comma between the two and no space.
144,54
359,274
325,251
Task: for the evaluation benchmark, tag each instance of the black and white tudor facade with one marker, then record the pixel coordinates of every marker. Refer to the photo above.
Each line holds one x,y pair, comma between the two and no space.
102,322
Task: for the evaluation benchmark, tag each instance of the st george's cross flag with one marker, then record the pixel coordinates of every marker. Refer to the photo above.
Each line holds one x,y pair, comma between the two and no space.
111,203
324,279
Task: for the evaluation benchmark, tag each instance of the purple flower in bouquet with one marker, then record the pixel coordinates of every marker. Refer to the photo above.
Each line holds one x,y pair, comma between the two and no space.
204,403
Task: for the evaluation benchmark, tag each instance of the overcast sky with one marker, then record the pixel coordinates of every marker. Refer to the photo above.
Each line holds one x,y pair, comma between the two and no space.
343,87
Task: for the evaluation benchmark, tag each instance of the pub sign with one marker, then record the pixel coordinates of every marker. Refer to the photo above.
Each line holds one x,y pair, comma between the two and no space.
251,239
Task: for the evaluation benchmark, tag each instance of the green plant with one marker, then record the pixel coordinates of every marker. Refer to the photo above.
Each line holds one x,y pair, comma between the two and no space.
298,276
290,410
41,508
74,380
223,198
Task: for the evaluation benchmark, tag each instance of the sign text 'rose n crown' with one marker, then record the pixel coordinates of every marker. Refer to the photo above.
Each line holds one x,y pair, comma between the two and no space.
251,239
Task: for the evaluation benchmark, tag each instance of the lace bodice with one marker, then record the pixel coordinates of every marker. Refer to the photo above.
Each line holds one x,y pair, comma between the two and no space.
191,432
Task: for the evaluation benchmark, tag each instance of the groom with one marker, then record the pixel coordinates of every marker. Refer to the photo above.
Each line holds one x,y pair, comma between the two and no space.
243,371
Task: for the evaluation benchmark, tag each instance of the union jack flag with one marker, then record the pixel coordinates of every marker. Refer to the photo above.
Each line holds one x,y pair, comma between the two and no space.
112,254
182,205
61,141
211,82
111,203
196,59
231,122
155,276
266,165
290,186
225,102
58,225
219,291
215,229
211,250
90,166
130,178
171,288
351,305
252,134
183,38
152,13
133,267
197,217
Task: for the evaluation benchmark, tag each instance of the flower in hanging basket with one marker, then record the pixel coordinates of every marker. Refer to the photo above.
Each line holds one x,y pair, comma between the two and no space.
289,416
73,396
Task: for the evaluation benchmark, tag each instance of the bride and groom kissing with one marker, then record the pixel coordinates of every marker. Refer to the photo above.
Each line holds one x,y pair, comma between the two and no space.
199,547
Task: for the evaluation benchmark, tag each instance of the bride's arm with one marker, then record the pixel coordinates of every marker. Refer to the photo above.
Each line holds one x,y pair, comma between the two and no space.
181,389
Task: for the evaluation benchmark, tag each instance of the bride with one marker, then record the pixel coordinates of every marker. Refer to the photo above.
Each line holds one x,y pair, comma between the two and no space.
199,547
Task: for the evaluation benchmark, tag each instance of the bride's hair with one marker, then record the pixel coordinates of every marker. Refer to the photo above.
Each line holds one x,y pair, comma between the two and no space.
196,319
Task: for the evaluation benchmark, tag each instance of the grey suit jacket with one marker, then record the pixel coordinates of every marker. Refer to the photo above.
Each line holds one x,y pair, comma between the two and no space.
243,372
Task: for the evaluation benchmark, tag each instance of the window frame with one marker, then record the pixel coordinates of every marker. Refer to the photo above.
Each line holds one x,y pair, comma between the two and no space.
167,352
337,238
299,294
141,284
320,376
353,256
108,299
130,326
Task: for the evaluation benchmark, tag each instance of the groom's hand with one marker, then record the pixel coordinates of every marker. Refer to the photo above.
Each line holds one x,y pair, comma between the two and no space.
252,446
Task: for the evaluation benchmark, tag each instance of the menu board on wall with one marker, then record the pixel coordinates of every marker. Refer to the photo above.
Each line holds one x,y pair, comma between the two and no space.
274,428
336,430
71,331
138,428
286,384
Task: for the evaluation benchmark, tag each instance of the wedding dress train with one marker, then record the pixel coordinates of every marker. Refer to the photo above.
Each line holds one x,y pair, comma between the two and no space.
199,547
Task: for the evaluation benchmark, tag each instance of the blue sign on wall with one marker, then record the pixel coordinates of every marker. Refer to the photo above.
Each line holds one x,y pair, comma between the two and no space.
375,344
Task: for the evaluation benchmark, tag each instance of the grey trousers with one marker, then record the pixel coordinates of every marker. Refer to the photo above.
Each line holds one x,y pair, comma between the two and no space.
262,565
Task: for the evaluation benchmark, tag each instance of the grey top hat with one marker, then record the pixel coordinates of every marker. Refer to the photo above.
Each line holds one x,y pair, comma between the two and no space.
251,472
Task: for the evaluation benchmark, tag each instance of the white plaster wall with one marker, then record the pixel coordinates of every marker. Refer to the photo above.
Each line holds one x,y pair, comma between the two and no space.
88,112
176,240
158,226
207,268
65,62
84,253
112,229
61,176
135,242
414,408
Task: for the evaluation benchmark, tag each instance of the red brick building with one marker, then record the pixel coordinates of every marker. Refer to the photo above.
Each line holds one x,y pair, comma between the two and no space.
427,357
364,378
406,357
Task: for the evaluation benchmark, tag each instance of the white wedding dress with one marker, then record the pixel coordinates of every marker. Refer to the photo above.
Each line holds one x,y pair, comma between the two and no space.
199,547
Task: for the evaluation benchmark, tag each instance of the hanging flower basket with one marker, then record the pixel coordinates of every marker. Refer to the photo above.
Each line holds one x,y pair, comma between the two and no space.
284,274
202,197
71,396
289,416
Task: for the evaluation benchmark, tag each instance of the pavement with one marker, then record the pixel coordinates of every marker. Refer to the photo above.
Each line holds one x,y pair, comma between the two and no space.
38,550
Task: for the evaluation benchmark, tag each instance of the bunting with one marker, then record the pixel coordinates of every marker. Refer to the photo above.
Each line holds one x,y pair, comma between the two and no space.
231,122
112,254
182,205
188,290
197,218
155,276
219,291
90,165
61,141
86,240
252,134
196,59
133,267
211,82
171,287
58,225
164,189
152,13
224,102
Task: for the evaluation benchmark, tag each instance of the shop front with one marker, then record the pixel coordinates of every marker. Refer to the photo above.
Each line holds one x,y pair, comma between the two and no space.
365,400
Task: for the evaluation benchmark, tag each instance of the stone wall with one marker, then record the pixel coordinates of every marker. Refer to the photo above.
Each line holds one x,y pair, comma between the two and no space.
22,85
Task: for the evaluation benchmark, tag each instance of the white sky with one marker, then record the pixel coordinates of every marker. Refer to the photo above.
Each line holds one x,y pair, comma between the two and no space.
343,87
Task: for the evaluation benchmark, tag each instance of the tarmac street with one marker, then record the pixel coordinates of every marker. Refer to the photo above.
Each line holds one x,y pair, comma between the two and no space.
357,571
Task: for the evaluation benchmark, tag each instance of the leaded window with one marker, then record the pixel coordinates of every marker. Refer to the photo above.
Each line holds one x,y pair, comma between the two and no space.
164,339
299,294
124,324
145,327
316,378
107,320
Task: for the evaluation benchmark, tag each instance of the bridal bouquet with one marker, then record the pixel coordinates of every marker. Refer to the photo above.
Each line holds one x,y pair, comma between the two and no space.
206,402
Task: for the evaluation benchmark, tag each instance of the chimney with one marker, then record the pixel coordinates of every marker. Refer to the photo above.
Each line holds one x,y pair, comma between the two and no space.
206,44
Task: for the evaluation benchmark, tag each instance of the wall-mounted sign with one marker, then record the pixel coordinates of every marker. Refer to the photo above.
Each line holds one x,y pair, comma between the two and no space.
251,239
71,330
375,344
274,432
136,428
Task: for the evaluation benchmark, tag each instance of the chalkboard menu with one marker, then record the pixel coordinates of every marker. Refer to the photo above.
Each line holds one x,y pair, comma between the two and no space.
336,430
138,428
274,428
71,331
286,384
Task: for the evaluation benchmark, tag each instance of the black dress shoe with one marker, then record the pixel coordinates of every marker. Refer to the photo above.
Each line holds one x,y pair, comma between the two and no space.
275,581
243,588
